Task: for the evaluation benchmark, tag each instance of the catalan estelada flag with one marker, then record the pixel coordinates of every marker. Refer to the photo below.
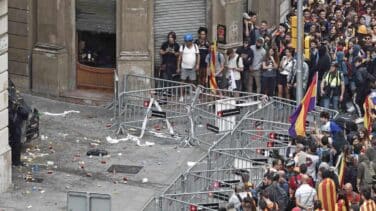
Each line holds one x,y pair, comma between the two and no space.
327,194
368,105
212,81
298,118
368,205
341,169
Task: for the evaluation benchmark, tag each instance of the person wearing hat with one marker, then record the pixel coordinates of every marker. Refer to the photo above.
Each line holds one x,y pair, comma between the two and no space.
332,87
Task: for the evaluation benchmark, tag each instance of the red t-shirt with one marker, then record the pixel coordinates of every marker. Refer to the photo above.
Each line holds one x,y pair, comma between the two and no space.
296,181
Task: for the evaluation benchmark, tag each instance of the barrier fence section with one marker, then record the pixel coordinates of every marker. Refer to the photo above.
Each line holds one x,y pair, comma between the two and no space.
180,111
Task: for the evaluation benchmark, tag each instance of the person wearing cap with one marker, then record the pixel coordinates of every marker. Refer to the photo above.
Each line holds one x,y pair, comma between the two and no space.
189,61
332,87
255,69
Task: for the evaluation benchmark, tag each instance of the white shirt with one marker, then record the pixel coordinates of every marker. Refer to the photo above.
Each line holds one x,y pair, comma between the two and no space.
188,56
287,65
311,162
306,195
231,64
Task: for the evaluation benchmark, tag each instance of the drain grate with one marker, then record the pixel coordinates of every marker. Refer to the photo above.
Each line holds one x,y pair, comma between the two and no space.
125,169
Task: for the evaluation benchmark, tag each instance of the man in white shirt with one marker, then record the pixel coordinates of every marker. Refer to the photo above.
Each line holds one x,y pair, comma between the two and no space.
189,60
305,195
234,67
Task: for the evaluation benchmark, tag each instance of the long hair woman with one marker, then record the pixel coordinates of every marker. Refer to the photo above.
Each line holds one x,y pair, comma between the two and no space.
269,72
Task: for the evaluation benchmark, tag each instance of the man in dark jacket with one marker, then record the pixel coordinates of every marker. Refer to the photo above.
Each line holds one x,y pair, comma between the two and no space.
246,54
362,79
275,192
323,64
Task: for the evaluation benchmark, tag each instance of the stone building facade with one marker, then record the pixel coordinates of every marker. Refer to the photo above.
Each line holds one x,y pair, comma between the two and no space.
44,41
5,153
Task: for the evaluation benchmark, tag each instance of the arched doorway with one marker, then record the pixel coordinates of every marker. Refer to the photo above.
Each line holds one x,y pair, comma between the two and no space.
96,44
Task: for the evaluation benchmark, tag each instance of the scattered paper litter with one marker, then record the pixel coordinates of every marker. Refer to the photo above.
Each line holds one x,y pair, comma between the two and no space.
60,114
28,207
191,164
145,180
129,138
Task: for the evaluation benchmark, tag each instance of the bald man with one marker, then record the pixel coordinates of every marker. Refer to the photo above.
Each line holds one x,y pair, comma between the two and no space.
352,197
305,195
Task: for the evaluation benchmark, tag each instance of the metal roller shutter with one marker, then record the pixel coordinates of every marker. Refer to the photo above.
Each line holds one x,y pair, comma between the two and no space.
180,16
96,15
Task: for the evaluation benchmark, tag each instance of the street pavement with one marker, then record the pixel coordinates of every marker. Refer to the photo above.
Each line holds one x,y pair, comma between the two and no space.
60,153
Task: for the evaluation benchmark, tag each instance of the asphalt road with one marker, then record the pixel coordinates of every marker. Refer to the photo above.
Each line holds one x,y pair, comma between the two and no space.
60,153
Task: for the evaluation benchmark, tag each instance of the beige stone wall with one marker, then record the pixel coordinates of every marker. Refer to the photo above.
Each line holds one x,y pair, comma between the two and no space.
5,153
134,37
20,42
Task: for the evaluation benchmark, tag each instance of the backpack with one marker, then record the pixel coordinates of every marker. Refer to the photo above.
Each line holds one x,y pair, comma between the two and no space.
218,57
194,44
369,172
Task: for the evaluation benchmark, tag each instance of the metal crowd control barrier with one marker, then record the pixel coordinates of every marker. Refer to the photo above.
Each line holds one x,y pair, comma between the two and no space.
180,111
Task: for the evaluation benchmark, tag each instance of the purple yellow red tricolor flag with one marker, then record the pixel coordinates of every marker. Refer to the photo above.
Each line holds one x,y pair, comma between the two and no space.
368,105
327,194
308,103
212,81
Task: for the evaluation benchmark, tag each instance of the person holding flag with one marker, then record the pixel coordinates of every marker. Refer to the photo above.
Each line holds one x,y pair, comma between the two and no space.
215,64
298,118
370,108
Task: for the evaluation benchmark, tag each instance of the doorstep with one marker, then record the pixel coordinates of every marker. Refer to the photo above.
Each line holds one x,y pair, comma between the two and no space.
93,97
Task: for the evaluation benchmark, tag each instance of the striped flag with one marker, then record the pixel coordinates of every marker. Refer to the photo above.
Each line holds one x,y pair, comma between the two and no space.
368,205
327,194
341,169
368,105
212,81
298,118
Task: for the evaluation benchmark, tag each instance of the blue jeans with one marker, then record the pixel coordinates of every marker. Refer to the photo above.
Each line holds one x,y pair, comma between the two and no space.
326,101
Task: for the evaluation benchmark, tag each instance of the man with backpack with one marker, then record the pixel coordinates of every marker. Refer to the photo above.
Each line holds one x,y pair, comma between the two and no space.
275,192
188,62
255,68
365,172
332,87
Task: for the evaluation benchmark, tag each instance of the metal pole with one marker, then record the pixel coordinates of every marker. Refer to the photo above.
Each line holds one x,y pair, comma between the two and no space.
299,72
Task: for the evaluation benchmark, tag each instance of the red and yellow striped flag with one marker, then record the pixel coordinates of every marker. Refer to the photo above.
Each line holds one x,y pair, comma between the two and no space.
369,105
327,194
212,81
341,169
368,205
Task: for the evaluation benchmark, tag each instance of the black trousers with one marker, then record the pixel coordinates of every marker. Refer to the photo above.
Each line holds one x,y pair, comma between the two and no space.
15,142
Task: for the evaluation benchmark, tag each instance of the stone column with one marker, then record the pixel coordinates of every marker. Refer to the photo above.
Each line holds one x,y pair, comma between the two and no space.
5,153
226,12
134,36
268,10
52,54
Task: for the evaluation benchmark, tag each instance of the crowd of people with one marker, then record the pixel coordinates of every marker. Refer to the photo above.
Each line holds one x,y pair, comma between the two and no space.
342,51
332,169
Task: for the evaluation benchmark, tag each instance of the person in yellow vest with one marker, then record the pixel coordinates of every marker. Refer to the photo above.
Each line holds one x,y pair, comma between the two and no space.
332,87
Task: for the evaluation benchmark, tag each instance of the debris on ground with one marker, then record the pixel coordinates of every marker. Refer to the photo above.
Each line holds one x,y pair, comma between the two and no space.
129,138
97,152
60,114
145,180
191,164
